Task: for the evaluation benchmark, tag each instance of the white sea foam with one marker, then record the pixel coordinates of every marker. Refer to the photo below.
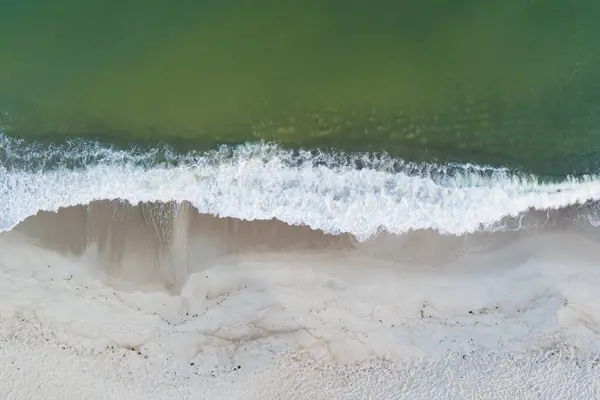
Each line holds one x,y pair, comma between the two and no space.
263,182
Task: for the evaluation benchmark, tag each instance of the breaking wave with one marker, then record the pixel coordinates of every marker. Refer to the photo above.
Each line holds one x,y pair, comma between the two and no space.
357,194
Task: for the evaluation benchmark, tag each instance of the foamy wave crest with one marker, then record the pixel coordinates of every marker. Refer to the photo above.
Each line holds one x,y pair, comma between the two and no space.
359,194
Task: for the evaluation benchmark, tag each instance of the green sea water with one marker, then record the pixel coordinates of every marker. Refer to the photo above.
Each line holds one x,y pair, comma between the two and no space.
513,83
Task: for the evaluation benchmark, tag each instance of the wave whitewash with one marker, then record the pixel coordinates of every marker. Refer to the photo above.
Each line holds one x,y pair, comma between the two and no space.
338,193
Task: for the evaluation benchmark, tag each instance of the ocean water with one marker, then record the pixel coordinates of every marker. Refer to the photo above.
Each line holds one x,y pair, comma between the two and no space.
327,200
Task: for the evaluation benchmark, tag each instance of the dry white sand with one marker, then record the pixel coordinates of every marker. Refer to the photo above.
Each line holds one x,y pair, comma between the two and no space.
521,323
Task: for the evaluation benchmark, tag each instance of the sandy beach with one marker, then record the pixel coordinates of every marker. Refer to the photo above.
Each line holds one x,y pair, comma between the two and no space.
322,324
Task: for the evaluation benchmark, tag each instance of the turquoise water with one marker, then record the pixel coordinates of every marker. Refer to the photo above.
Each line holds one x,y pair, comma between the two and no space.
511,84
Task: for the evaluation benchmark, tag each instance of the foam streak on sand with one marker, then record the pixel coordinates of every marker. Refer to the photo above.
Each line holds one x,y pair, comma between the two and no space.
424,282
